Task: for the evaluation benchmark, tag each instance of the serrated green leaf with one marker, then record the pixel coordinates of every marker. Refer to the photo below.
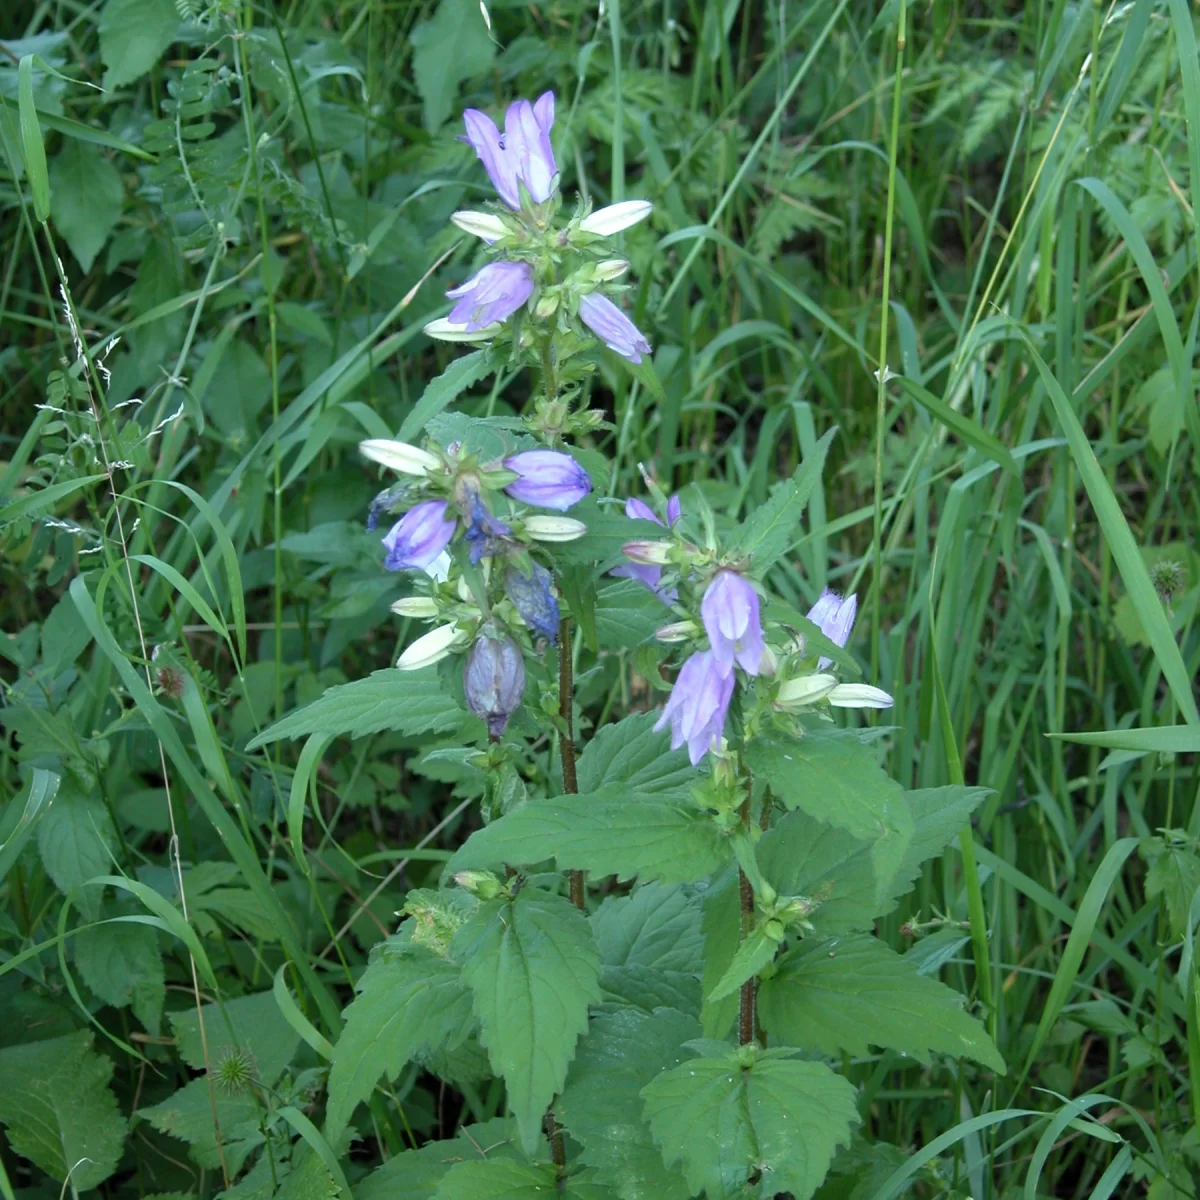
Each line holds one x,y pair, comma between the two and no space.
769,531
407,1001
43,787
488,437
443,390
453,46
601,1104
754,952
133,36
188,1115
240,908
86,198
608,529
938,814
75,838
847,994
777,1122
614,831
309,1179
1174,874
59,1110
835,778
722,931
627,614
631,753
408,702
417,1174
250,1024
503,1179
120,962
533,969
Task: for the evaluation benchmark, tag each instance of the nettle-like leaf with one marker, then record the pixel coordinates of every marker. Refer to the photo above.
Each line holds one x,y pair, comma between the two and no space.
59,1110
754,952
845,995
408,702
1174,874
601,1104
533,969
503,1179
409,1000
627,614
650,946
121,963
614,831
722,932
76,839
608,529
187,1114
834,777
249,1024
631,753
751,1126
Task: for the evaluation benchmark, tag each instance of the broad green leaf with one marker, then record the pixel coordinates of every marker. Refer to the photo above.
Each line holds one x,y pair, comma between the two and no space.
59,1110
120,962
615,831
416,1174
722,931
309,1179
250,1024
407,1001
1174,875
848,994
86,197
76,840
608,530
505,1179
533,968
777,1122
650,944
938,815
408,702
133,36
188,1115
64,635
601,1104
488,437
43,787
632,754
770,529
238,907
835,778
443,390
627,614
754,952
453,46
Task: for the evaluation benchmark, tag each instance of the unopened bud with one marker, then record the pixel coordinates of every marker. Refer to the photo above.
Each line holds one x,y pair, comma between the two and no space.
859,695
615,217
610,268
400,456
654,554
805,690
546,307
494,680
483,884
680,631
447,331
420,608
482,225
429,648
554,529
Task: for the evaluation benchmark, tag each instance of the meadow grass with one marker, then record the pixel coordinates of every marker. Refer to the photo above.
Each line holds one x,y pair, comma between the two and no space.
990,201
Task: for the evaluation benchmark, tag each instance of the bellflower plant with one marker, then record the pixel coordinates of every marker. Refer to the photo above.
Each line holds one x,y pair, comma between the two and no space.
660,937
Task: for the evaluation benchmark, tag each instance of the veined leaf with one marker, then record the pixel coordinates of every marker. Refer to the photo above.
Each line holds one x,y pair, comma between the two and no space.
778,1121
504,1179
753,953
847,994
533,968
408,702
614,831
631,753
439,393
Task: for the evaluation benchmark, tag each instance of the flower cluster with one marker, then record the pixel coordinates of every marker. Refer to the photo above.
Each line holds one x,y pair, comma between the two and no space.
730,622
547,270
450,501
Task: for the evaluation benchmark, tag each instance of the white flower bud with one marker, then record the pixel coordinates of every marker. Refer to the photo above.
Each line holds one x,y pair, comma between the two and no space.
554,529
768,664
805,690
420,608
400,456
859,695
429,648
680,631
439,569
482,225
654,554
447,331
546,307
610,268
614,218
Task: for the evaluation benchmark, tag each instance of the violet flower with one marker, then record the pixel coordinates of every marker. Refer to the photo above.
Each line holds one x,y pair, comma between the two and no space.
613,327
417,539
523,155
835,617
492,294
731,620
494,680
533,598
486,536
697,706
548,478
646,573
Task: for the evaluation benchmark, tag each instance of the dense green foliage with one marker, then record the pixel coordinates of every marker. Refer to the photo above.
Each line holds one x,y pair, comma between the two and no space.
225,227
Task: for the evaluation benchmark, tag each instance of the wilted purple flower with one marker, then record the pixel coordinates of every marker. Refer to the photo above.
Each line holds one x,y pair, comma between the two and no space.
613,327
548,478
418,537
835,617
485,535
494,680
730,613
386,503
697,705
533,599
492,294
522,155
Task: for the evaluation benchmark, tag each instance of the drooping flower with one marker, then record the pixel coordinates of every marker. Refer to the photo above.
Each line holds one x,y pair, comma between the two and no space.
613,327
697,706
417,539
491,295
649,574
533,598
614,218
429,648
523,155
485,534
548,478
494,680
835,618
731,620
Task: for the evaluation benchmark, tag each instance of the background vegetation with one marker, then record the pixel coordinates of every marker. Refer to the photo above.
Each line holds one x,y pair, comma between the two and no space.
249,206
